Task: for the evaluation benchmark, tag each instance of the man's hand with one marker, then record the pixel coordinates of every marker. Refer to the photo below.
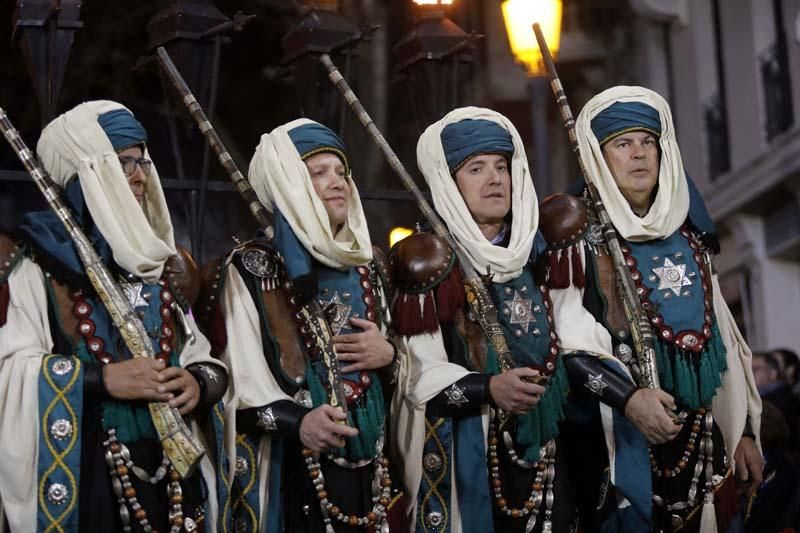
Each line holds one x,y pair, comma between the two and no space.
513,395
749,463
646,409
181,382
366,350
135,379
320,429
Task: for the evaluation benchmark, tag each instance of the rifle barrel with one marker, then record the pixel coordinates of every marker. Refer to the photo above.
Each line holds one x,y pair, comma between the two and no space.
641,331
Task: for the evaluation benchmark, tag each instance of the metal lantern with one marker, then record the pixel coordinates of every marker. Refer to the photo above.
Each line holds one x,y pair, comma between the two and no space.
45,31
321,30
434,61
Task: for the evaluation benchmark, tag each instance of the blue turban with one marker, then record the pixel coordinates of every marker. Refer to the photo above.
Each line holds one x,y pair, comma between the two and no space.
468,137
314,138
621,117
122,129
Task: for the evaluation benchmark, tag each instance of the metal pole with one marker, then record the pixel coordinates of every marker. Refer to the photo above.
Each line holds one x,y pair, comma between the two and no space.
539,88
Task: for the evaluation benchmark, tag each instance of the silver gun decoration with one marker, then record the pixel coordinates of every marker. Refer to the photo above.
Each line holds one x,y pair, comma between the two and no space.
182,449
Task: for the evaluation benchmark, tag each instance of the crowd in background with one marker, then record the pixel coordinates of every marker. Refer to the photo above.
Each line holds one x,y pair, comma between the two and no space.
776,506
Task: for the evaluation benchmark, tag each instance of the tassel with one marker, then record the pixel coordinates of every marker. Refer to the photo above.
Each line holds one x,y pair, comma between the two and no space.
450,296
726,503
665,369
5,297
217,334
563,268
578,276
409,319
429,321
559,269
708,520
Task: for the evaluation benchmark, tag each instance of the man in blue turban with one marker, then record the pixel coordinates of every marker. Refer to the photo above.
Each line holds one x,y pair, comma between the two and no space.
302,464
686,479
481,444
80,452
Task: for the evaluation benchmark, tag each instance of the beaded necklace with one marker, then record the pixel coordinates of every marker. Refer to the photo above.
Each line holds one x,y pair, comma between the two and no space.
118,457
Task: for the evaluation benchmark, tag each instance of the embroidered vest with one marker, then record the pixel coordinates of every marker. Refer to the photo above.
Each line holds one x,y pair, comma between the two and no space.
673,280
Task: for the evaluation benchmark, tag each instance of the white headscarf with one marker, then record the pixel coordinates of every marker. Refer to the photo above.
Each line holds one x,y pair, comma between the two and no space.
504,263
280,178
671,205
76,143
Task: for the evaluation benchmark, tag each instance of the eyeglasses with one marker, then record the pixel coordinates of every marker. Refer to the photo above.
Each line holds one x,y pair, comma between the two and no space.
129,165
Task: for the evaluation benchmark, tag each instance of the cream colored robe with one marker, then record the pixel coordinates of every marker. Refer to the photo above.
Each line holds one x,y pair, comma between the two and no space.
24,340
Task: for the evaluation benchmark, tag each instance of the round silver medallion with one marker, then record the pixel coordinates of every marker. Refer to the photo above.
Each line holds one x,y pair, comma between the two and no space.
303,397
61,429
241,466
62,366
624,353
432,462
434,519
259,263
57,493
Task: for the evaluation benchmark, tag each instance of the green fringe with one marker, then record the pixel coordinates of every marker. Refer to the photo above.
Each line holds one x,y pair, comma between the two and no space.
540,424
693,378
713,366
315,388
368,416
492,361
131,420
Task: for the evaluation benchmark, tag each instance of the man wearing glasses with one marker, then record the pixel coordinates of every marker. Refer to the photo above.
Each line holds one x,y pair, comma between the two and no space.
80,452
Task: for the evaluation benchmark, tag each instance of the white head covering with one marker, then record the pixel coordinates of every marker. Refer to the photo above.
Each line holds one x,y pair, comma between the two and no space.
504,263
280,178
141,240
671,205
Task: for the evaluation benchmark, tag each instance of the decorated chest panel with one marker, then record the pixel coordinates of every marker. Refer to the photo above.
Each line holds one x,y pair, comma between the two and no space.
673,281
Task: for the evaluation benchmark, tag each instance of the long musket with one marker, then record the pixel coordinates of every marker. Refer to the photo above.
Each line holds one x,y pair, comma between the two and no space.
182,449
311,310
641,331
478,296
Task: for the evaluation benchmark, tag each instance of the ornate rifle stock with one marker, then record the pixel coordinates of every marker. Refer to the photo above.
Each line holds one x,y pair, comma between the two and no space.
477,295
641,331
180,446
311,310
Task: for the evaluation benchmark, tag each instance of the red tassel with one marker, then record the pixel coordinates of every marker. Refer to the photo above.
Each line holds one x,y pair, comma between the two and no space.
578,276
409,319
217,335
396,514
429,322
450,296
5,296
559,270
726,503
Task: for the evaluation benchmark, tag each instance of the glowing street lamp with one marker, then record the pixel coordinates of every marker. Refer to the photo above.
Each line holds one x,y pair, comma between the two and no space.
519,16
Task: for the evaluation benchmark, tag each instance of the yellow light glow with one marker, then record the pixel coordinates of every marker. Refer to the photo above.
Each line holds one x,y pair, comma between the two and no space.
519,16
398,234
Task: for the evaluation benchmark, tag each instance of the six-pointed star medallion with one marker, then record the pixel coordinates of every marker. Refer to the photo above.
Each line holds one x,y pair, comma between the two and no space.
672,277
520,309
133,291
341,312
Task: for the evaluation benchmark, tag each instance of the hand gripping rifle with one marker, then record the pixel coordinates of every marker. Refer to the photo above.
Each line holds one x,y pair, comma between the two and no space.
182,449
478,296
641,331
311,311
